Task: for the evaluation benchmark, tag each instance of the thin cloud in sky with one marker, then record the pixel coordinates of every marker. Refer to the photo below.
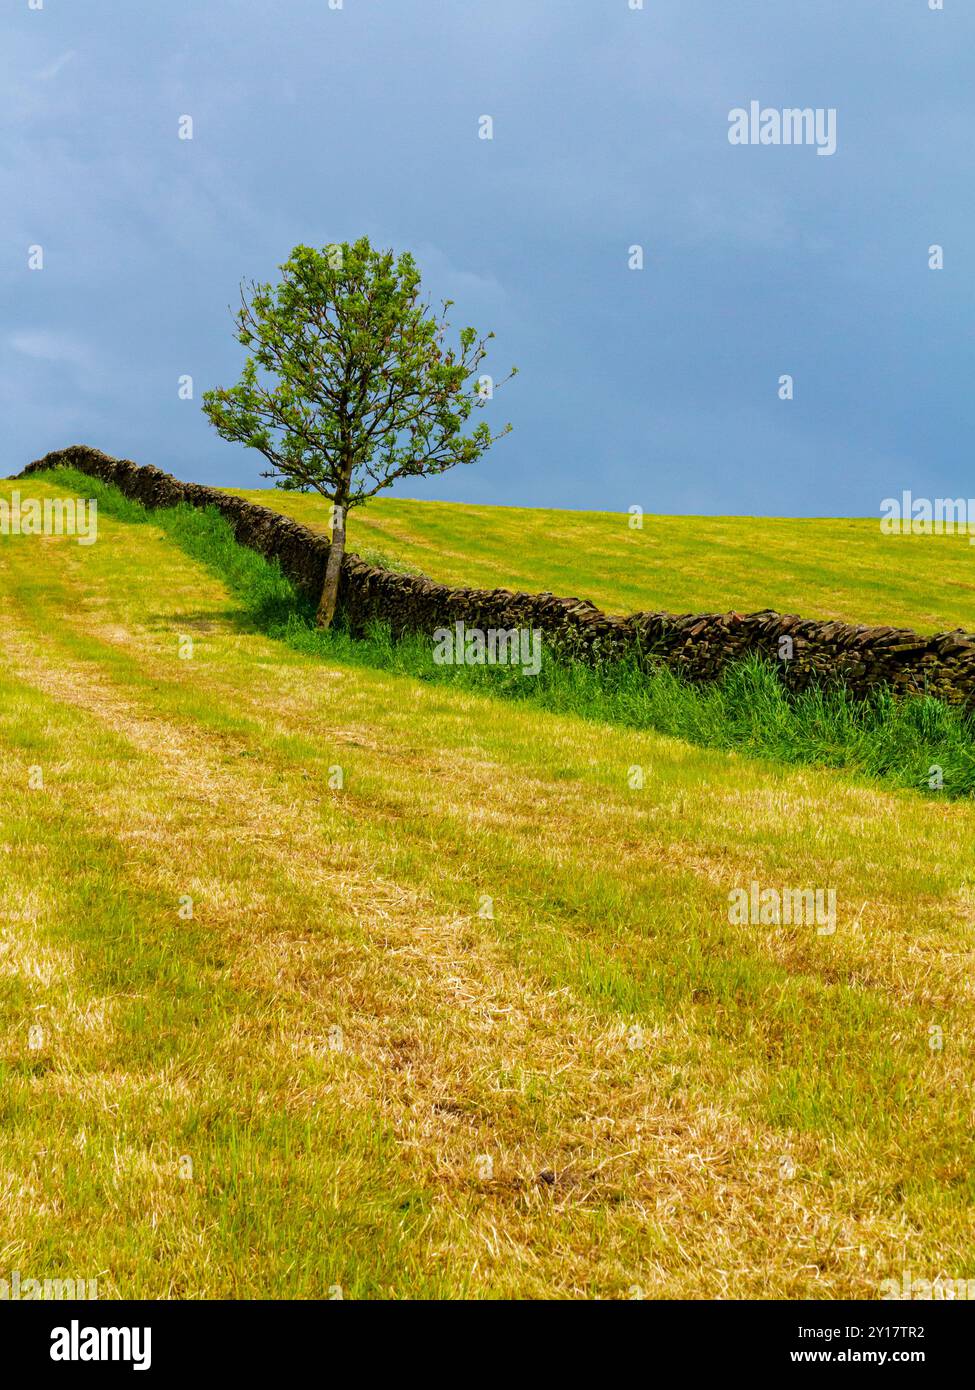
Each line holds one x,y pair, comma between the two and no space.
53,69
57,362
47,346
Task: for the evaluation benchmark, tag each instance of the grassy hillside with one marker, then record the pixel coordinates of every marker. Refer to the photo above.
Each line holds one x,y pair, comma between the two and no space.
474,1022
820,568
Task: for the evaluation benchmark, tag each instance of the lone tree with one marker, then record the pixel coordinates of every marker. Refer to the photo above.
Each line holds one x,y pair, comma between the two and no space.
351,383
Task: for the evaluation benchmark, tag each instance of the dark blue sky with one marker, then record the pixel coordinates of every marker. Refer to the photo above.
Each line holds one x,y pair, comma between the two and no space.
657,387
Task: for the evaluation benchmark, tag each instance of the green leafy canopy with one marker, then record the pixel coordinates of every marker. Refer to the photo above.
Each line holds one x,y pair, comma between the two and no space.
350,382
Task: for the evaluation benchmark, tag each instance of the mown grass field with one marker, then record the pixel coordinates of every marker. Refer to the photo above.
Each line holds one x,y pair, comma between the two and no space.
834,569
473,1023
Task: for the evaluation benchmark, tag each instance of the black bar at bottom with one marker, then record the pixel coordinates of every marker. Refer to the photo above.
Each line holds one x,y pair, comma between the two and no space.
168,1339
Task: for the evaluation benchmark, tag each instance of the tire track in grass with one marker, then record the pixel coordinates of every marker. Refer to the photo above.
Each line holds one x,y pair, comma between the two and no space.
725,967
681,1167
537,1026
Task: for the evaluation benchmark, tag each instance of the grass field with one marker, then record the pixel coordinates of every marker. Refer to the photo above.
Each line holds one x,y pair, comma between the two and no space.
834,569
318,977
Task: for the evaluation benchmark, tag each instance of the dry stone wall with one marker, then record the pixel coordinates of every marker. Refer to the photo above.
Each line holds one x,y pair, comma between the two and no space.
696,645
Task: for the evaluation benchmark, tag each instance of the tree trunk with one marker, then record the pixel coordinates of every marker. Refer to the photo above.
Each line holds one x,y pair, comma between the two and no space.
333,569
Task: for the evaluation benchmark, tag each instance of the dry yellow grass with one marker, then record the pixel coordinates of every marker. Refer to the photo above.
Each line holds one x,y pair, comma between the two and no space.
592,1085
